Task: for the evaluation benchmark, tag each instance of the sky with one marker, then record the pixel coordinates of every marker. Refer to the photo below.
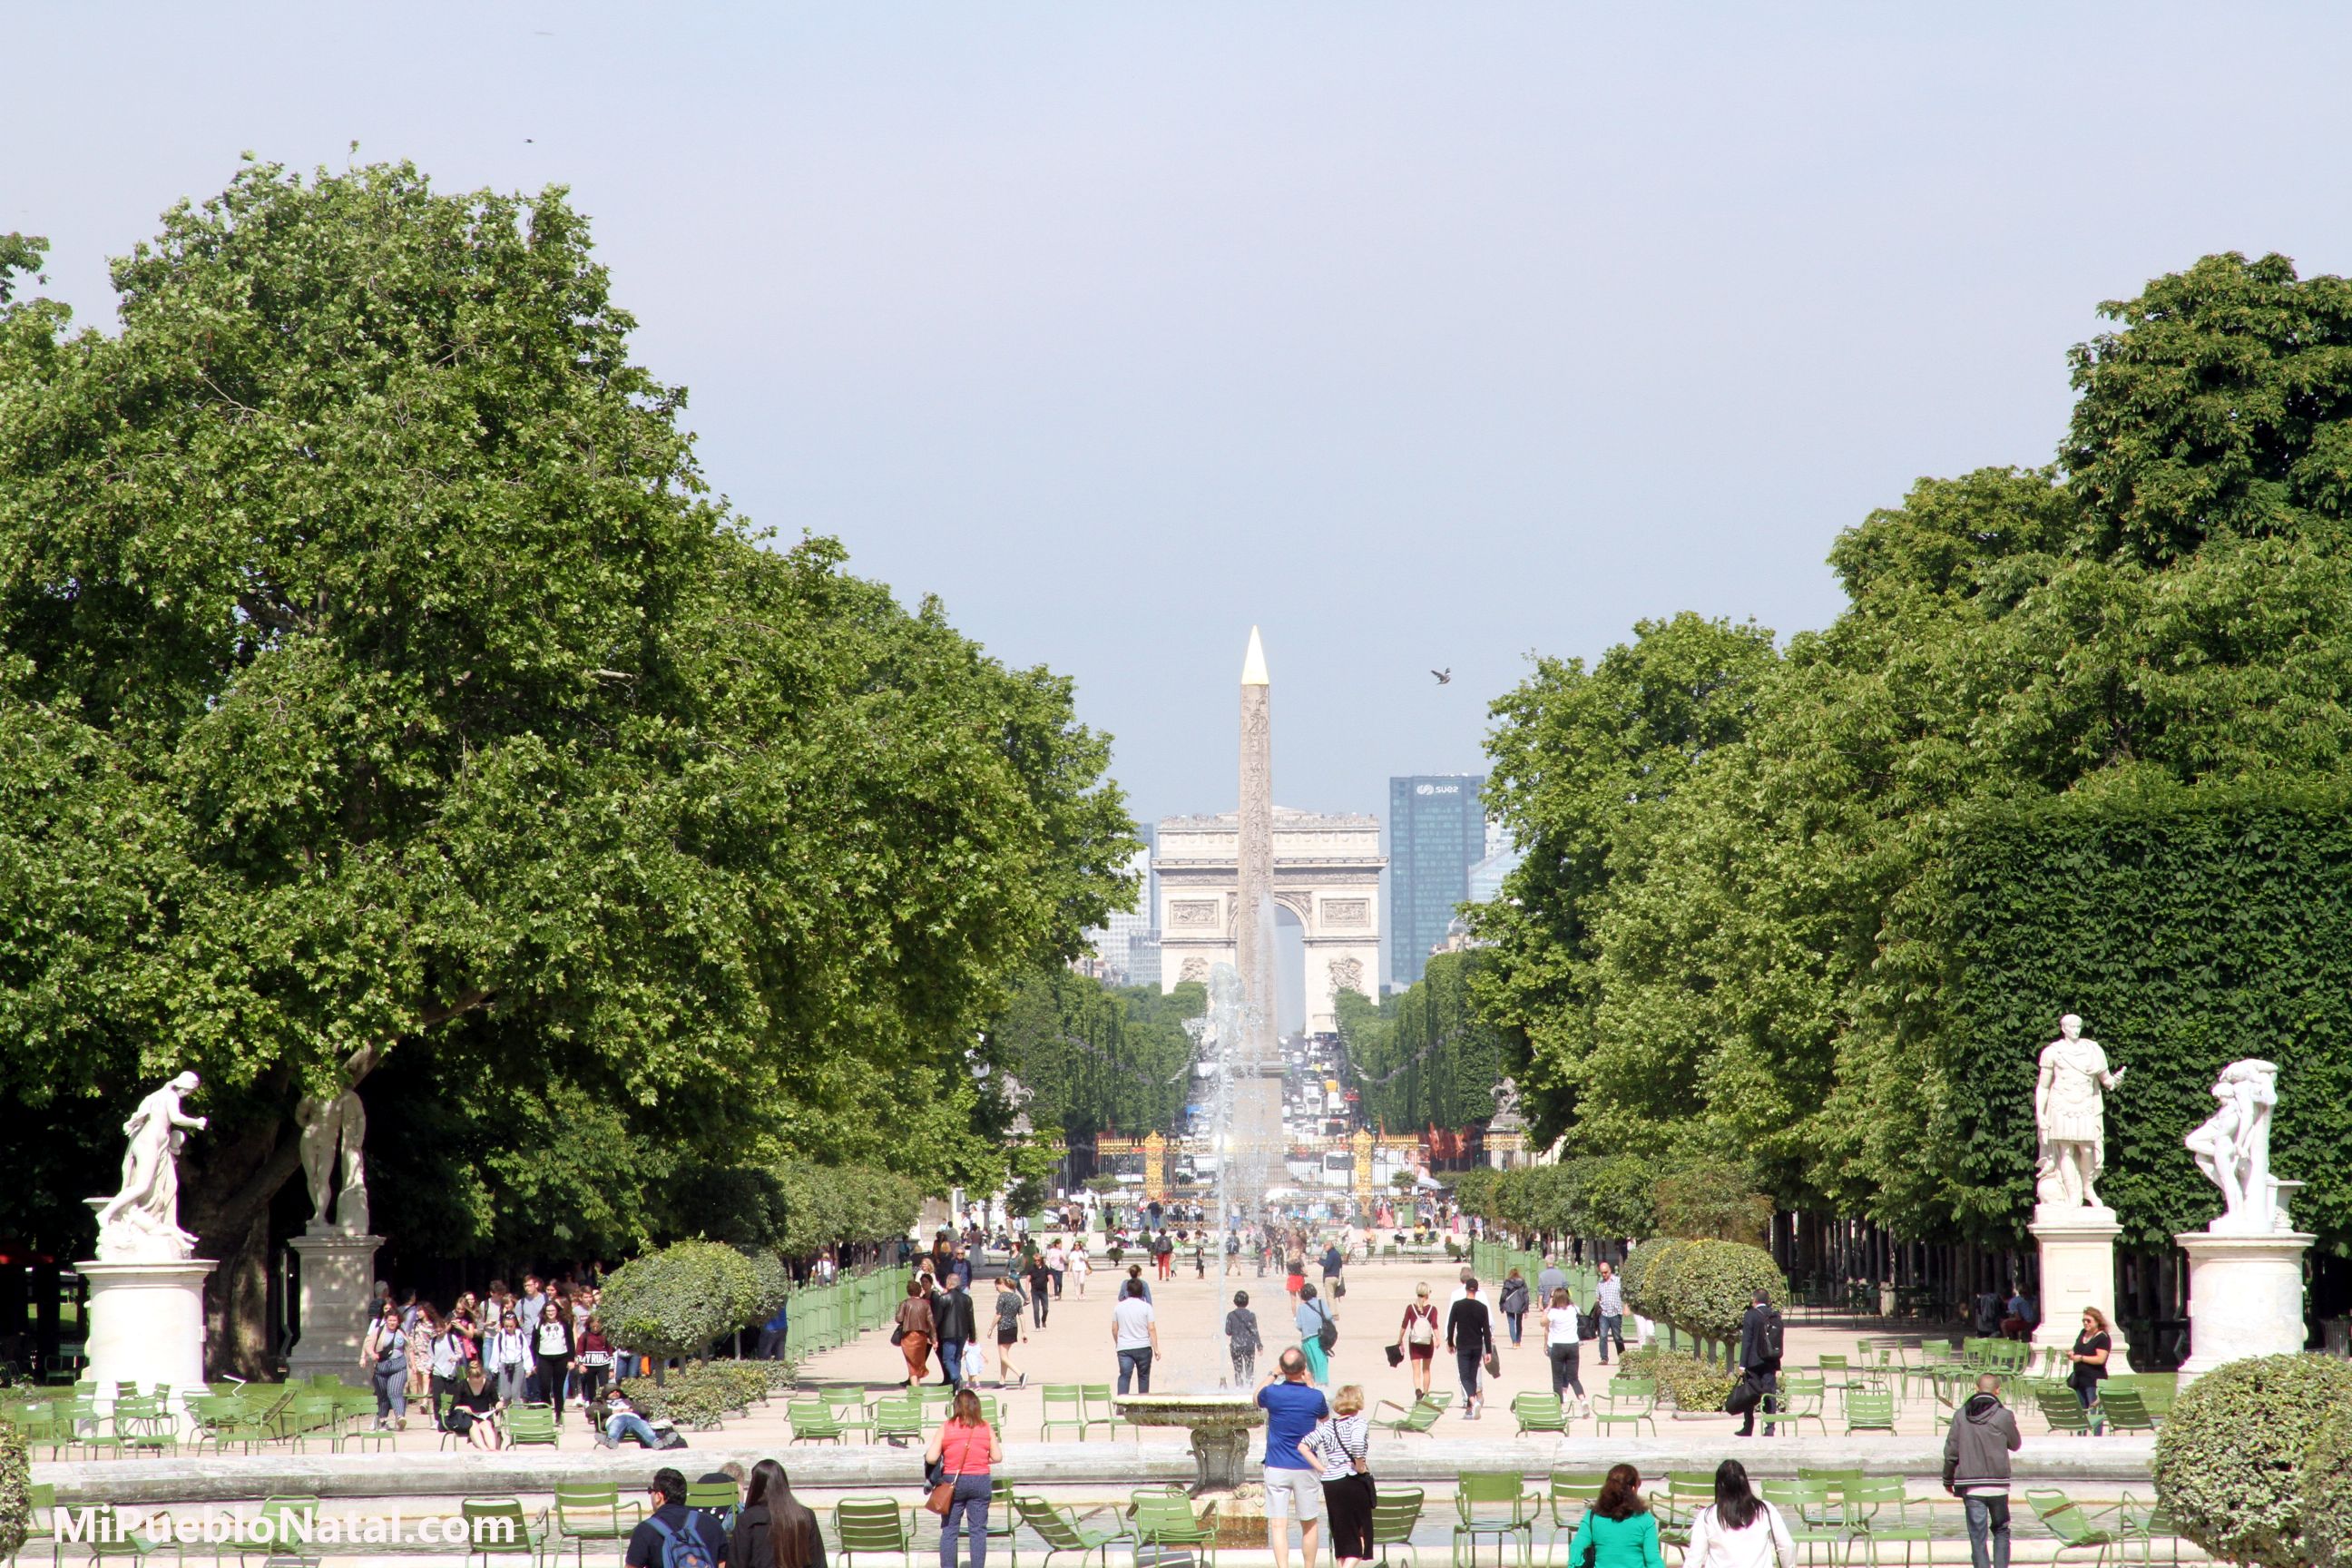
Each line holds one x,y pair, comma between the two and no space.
1424,337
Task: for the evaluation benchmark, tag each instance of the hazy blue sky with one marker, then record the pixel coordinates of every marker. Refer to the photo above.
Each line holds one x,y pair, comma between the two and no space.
1423,335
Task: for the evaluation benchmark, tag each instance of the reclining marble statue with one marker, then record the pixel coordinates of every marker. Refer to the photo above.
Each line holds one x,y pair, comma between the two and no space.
2070,1119
141,1224
2232,1147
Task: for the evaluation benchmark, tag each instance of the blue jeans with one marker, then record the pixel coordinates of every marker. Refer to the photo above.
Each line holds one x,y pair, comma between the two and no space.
969,1511
1612,1327
391,1390
1138,1363
1987,1516
627,1424
951,1362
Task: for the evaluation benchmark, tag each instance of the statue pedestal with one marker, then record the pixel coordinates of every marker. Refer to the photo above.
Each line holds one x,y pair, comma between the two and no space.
147,1326
2245,1296
2078,1270
338,1289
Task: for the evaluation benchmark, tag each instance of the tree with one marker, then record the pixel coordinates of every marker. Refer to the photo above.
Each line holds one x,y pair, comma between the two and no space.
1424,1058
381,692
1095,1057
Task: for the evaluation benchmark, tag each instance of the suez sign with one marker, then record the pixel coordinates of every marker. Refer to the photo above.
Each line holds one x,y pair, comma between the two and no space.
112,1526
1436,789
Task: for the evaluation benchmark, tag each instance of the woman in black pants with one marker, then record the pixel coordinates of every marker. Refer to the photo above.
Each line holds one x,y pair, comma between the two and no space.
1560,1343
551,1340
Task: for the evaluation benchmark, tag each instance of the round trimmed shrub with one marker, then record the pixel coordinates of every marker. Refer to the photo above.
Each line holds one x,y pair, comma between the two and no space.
2327,1492
15,1491
1641,1274
1706,1287
2233,1457
675,1301
1690,1382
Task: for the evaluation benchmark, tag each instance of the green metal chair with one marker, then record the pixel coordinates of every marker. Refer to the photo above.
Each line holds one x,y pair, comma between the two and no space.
1395,1513
532,1426
811,1421
1627,1401
898,1418
2123,1409
1877,1509
872,1524
110,1537
1164,1518
497,1527
586,1511
848,1408
719,1499
2059,1408
1869,1413
2078,1528
1420,1417
1003,1521
41,1521
293,1520
2146,1523
1066,1405
1807,1509
1062,1528
1569,1493
1102,1409
1492,1504
1537,1412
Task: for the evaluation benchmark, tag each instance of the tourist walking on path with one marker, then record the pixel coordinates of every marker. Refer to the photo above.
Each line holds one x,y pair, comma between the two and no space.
915,1331
1417,1337
1336,1450
596,1360
1135,1335
1513,1300
2089,1356
551,1340
1976,1468
1333,1262
1292,1408
1009,1302
1242,1339
1739,1530
1470,1335
1080,1267
963,1448
1550,1279
423,1328
450,1353
506,1358
1317,1325
1609,1305
1057,1264
1560,1343
386,1357
1041,1288
955,1325
775,1528
1233,1253
1619,1527
1760,1359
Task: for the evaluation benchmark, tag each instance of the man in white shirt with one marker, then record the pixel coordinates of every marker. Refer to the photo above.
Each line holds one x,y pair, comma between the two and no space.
1135,1334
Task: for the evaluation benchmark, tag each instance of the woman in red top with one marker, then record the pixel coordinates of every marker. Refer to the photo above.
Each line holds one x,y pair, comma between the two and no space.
964,1447
1417,1336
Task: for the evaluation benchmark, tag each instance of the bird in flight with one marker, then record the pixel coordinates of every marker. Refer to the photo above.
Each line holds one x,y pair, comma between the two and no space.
1444,676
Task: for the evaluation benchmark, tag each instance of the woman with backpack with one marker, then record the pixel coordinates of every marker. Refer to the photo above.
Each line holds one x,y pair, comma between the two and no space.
386,1357
1513,1300
1417,1337
1317,1331
552,1344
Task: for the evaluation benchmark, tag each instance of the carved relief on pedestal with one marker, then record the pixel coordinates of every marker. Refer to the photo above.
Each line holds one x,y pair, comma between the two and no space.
1195,969
1348,975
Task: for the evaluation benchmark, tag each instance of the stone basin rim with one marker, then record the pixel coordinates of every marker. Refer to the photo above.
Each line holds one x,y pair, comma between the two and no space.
1225,1409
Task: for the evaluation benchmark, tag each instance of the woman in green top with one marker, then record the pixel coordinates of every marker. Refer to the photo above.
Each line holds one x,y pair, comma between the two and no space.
1619,1531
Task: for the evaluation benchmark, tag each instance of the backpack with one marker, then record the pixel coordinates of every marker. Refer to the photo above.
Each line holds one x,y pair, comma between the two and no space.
1328,1335
682,1548
1771,1335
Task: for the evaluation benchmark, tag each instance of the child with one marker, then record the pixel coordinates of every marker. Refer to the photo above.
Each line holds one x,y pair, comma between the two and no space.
1240,1338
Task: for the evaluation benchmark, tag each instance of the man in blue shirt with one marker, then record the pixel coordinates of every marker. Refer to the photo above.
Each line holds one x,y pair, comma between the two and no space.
1292,1406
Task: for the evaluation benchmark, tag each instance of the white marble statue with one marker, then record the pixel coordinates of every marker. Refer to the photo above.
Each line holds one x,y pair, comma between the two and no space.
332,1129
2070,1118
2232,1147
141,1223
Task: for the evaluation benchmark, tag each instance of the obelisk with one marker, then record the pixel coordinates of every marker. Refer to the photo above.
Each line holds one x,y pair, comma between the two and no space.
1254,920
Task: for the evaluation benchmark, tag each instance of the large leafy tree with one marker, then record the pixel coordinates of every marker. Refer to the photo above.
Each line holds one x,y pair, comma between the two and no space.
384,700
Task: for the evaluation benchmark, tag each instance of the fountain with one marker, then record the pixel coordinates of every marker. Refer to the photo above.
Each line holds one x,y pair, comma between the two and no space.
1219,1423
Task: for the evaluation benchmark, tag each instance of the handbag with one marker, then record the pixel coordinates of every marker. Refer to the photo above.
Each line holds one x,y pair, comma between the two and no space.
1395,1354
942,1496
1328,1335
1493,1364
1588,1323
1744,1396
898,1333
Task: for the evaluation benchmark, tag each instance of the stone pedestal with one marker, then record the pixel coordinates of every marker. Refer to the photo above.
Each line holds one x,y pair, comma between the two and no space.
2078,1270
338,1289
2245,1296
146,1326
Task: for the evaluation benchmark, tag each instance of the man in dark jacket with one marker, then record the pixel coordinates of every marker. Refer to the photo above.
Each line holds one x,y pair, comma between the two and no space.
1760,1359
1976,1469
957,1325
1470,1335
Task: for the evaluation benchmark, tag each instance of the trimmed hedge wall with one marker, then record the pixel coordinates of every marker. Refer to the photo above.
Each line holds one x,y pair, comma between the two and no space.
2189,927
16,1491
2234,1459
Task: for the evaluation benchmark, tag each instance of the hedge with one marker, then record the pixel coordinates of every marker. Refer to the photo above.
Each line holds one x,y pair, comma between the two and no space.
2232,1460
701,1393
2189,928
2327,1492
1706,1287
1693,1384
16,1491
677,1300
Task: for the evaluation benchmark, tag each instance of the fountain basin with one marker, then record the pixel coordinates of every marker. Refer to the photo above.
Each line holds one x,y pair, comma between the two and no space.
1220,1425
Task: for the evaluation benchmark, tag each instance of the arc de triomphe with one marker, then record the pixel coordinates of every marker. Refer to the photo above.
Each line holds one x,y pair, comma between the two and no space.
1327,872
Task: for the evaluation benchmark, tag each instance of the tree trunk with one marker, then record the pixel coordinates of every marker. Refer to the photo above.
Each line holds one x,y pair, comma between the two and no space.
226,1203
